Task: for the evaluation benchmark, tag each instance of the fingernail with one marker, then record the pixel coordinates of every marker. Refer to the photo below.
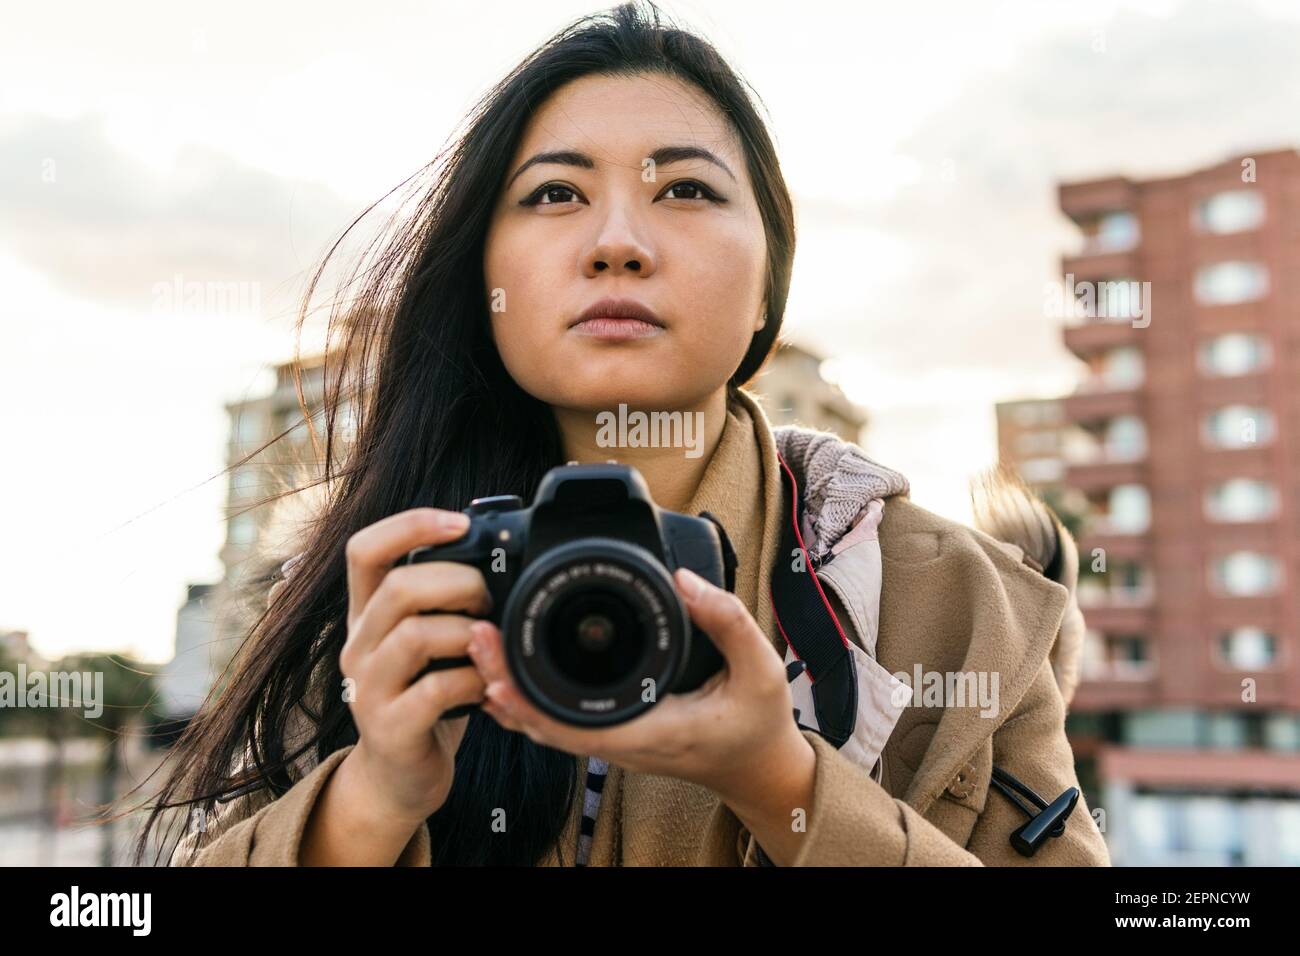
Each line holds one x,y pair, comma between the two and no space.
455,521
689,582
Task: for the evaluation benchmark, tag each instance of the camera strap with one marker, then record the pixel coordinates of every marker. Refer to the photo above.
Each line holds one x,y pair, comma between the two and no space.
811,630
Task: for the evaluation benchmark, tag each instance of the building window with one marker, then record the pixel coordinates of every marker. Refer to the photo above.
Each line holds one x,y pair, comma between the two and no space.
243,483
1027,414
1282,732
1111,232
1037,443
1248,648
1241,499
1115,657
1239,426
1129,655
1126,438
1235,210
1042,470
1227,283
1236,353
1246,574
1119,299
1129,509
243,529
248,428
1225,731
1123,368
1173,727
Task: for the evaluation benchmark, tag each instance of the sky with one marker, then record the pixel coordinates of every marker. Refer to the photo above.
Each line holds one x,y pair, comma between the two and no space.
146,144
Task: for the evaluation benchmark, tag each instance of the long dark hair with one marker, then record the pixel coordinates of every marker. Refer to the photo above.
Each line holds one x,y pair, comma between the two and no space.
440,422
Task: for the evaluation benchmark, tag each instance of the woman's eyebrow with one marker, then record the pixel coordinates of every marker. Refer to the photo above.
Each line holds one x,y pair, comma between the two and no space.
660,157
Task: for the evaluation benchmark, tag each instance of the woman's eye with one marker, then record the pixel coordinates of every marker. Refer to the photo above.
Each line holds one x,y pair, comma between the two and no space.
557,194
549,192
689,185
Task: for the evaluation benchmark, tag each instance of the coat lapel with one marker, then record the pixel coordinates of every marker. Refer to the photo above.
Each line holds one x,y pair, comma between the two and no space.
1005,615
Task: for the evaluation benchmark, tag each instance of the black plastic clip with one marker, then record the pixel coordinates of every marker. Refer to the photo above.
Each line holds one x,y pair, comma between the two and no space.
1049,820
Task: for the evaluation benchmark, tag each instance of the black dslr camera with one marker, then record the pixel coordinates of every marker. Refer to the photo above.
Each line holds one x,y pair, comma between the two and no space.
582,590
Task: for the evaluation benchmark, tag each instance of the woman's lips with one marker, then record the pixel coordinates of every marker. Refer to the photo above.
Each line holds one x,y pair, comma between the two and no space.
616,330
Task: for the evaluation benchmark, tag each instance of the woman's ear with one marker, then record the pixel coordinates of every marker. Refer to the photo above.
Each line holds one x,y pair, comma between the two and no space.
762,317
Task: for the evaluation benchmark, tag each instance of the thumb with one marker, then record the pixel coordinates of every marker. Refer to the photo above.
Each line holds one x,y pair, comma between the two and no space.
726,620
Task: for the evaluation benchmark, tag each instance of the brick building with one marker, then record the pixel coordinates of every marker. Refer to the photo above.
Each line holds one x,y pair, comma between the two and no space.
1184,440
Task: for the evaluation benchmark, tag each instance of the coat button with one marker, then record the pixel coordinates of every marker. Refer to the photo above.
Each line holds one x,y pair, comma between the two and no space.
963,785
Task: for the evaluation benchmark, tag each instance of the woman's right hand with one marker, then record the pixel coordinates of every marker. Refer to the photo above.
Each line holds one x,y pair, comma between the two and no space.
405,752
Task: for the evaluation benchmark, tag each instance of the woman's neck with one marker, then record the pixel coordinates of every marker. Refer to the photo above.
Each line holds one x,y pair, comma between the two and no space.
670,448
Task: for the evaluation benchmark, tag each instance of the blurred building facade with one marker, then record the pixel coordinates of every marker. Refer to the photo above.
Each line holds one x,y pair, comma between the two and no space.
184,681
794,392
1030,436
1183,443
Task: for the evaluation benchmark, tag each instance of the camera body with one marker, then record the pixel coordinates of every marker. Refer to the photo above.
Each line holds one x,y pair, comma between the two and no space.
582,590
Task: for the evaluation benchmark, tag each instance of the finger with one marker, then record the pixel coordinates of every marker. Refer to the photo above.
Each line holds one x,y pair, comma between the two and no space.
434,694
428,586
372,550
727,621
506,703
409,646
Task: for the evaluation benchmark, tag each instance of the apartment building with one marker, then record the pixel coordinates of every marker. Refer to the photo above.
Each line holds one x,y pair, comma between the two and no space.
1184,441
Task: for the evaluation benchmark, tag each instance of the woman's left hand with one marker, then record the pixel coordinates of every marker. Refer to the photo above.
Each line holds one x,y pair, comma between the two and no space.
731,735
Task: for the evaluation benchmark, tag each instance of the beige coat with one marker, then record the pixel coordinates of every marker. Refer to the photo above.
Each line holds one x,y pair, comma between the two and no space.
952,600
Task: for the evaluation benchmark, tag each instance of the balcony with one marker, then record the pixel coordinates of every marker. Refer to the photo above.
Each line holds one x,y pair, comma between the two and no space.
1097,597
1103,473
1087,200
1097,399
1108,693
1099,335
1117,545
1117,610
1099,261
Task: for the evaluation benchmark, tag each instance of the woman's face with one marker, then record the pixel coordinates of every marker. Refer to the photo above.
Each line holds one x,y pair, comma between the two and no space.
618,216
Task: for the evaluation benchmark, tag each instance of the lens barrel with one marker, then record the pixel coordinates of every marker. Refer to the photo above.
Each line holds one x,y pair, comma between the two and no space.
595,632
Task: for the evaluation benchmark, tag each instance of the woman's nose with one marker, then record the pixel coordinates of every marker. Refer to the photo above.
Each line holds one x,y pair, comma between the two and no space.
620,246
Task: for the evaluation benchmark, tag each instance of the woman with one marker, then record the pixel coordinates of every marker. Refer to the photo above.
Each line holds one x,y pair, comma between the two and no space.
612,229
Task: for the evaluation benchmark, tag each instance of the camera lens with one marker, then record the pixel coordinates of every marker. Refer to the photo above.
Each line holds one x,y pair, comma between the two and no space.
594,631
594,638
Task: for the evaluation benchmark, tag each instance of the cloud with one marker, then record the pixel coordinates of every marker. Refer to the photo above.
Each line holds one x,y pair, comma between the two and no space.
977,234
105,226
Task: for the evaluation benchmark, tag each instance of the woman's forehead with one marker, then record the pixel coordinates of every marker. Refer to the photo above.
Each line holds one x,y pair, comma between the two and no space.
624,119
